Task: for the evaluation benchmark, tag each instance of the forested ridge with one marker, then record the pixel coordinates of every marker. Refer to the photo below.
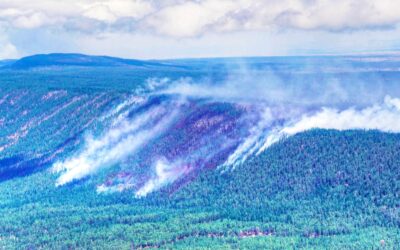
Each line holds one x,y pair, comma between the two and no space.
319,189
143,150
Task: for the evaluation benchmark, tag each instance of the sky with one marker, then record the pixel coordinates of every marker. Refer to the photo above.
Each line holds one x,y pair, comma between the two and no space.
157,29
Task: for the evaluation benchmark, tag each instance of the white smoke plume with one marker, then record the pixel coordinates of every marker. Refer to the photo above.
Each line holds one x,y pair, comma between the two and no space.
164,173
273,111
114,146
132,100
301,106
384,117
252,142
246,84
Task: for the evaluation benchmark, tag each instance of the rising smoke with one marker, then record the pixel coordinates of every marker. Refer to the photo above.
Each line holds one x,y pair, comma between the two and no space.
283,107
118,143
164,173
384,117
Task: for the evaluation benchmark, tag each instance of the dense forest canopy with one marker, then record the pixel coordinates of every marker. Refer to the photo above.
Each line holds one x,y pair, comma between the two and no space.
242,153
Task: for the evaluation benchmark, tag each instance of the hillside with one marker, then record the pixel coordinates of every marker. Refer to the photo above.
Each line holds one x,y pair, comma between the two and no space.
345,170
81,60
6,62
247,153
319,189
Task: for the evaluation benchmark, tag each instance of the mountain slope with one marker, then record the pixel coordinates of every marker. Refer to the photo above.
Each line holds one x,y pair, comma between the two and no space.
273,200
351,169
62,60
4,63
130,157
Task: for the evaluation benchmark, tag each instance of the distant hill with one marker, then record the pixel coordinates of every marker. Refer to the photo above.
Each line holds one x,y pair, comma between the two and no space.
6,62
80,60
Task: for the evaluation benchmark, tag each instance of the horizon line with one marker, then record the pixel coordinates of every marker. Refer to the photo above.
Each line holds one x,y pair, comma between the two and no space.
360,53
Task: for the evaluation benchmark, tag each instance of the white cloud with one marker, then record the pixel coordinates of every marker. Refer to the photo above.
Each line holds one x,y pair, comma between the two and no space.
33,14
178,18
190,18
7,49
100,13
31,20
201,28
342,14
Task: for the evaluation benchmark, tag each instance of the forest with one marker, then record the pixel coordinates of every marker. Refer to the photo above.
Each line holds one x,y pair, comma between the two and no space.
170,154
336,190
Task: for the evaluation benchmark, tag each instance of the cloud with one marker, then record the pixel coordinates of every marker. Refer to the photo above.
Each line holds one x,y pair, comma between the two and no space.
100,13
198,18
201,17
178,18
7,49
342,15
31,20
56,14
201,28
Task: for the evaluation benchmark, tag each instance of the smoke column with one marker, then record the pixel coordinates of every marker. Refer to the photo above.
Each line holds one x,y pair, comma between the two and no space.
384,117
114,146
